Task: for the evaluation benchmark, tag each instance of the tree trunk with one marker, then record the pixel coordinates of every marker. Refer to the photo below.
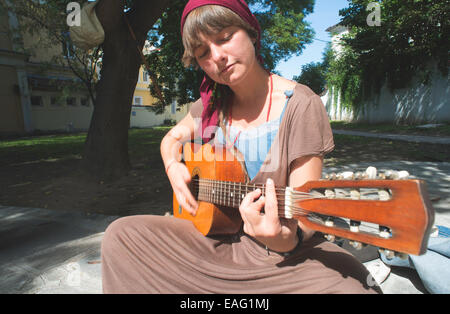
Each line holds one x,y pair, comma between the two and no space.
106,148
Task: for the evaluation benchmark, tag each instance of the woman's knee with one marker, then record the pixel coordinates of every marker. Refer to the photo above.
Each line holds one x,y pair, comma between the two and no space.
118,231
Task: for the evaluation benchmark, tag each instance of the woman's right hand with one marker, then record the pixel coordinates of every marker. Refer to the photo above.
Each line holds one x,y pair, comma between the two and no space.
180,178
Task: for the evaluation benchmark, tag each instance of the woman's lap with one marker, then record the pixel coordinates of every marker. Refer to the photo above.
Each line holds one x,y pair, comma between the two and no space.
156,254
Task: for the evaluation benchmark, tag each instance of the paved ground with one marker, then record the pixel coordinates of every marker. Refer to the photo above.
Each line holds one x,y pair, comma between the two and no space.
399,137
44,251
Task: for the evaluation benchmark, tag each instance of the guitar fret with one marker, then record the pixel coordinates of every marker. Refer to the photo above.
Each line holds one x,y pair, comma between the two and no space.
234,194
213,192
228,193
225,195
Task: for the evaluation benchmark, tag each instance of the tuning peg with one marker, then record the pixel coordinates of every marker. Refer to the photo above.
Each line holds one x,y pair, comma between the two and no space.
347,175
330,237
330,193
356,245
354,225
329,222
396,175
383,195
403,175
402,256
385,232
371,173
390,174
355,195
387,253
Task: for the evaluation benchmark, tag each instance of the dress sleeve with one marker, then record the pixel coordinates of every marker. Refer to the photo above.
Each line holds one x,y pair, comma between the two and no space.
310,131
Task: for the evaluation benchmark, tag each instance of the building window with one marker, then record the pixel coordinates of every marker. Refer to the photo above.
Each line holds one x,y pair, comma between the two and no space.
55,101
137,101
37,101
145,76
71,101
67,46
84,101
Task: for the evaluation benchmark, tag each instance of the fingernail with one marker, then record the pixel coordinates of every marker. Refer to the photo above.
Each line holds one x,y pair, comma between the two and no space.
269,181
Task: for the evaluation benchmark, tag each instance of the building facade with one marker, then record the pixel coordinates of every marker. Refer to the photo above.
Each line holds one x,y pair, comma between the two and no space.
38,95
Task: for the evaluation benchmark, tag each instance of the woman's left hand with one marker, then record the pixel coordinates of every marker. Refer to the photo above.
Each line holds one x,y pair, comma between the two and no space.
277,234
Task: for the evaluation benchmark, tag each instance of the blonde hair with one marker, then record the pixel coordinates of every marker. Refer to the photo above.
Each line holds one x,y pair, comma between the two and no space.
209,20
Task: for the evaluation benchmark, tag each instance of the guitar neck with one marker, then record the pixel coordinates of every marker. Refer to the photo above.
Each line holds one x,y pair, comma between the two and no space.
390,214
229,194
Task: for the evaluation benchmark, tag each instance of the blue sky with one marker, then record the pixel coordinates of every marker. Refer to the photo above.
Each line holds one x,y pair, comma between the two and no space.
326,14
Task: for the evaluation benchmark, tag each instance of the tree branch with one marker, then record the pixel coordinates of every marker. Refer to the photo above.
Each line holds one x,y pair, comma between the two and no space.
144,14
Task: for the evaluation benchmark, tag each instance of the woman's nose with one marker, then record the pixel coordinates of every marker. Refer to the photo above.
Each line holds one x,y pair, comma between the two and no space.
217,53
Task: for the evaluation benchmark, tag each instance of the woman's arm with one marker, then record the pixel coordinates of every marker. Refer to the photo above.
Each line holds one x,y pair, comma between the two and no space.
277,234
171,145
305,169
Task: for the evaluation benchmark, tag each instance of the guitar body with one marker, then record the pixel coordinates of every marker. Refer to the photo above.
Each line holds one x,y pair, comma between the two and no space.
215,163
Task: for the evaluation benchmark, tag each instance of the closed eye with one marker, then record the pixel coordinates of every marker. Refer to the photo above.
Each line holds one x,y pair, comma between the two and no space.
226,37
202,53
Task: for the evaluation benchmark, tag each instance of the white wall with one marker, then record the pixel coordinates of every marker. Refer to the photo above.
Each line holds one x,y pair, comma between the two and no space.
142,117
417,104
71,118
336,112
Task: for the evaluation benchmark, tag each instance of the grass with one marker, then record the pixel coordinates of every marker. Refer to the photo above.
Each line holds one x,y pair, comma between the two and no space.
42,148
141,142
144,144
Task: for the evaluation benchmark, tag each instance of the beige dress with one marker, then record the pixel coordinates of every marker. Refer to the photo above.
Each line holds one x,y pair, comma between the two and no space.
155,254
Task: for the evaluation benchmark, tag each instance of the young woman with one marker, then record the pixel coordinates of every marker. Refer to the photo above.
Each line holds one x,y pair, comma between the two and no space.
282,131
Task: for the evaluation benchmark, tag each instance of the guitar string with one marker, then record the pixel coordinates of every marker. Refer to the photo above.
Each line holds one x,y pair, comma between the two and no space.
293,210
221,185
298,211
217,197
221,192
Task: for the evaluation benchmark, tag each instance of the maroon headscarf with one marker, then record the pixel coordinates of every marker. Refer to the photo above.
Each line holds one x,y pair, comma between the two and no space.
212,103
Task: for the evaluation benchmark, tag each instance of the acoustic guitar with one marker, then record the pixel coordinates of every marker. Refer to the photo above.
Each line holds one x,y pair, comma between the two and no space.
395,215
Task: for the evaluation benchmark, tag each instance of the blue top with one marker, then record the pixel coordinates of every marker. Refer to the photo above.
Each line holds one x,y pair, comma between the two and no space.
254,143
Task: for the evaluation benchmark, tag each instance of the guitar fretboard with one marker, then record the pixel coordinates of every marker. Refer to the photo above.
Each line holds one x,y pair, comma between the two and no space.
224,193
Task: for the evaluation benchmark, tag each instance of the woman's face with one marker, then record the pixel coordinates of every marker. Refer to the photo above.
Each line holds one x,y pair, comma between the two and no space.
226,57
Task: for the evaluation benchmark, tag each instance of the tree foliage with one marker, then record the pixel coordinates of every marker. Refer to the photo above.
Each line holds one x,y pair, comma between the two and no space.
284,33
413,35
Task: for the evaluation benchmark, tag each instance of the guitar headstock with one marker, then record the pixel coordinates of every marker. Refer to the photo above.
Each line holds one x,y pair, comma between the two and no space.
388,211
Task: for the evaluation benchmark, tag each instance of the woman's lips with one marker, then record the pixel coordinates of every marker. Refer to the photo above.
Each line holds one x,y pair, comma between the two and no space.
227,68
